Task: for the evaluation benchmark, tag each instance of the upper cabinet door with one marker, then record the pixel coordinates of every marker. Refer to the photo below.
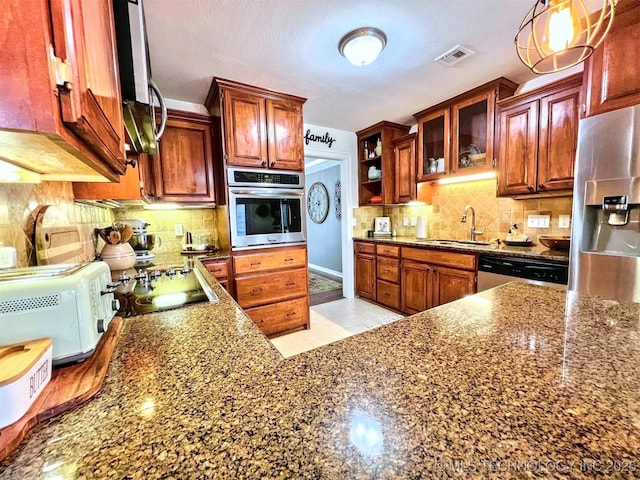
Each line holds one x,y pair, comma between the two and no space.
245,129
91,104
284,125
434,140
559,115
518,149
612,73
183,168
405,168
472,144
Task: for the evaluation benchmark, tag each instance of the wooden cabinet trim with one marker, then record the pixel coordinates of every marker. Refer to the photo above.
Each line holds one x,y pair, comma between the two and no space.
364,247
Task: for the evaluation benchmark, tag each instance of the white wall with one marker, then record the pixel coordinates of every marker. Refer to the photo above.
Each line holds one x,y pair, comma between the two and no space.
343,148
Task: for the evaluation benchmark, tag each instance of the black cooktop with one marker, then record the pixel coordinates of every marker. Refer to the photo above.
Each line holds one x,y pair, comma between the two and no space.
153,288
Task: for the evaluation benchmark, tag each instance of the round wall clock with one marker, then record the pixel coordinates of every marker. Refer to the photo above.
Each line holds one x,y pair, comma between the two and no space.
318,202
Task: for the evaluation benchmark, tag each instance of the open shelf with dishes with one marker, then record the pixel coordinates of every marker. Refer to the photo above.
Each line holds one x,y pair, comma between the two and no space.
376,162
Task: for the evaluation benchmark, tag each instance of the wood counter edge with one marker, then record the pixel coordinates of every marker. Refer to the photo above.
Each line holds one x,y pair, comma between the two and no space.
69,387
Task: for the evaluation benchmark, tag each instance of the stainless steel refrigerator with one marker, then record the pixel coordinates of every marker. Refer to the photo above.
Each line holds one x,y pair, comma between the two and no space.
605,232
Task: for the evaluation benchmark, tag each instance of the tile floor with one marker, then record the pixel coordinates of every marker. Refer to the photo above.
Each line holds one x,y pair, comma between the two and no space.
334,321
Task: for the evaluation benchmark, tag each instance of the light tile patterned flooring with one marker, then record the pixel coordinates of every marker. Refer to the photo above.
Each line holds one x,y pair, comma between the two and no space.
334,321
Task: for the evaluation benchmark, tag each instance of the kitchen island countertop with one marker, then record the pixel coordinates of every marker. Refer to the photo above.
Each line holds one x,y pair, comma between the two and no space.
516,381
537,251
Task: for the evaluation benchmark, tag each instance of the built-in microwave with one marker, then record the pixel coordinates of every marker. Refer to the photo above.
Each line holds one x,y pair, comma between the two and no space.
266,208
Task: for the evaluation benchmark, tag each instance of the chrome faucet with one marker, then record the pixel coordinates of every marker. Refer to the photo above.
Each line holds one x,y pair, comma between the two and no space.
473,233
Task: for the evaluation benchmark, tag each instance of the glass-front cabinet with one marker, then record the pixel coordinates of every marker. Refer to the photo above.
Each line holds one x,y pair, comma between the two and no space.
433,145
456,136
473,120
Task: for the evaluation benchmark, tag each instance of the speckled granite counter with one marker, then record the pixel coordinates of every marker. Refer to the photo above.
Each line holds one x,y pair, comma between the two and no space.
536,251
518,381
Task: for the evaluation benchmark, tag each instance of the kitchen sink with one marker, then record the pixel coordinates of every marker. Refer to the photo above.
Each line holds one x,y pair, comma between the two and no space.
457,242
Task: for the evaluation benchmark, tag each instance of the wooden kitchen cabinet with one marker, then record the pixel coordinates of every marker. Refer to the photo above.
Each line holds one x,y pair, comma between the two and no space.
183,167
612,73
272,285
457,136
365,270
137,183
61,106
219,268
537,139
404,155
388,276
261,128
434,277
384,186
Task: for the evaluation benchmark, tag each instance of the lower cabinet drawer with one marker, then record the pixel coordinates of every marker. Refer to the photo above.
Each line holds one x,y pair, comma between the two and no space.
388,294
261,289
282,316
388,269
217,269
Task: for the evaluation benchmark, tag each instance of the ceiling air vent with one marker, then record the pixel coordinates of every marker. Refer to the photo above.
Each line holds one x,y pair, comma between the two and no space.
454,55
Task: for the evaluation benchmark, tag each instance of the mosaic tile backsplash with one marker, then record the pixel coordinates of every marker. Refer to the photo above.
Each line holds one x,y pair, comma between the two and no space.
495,215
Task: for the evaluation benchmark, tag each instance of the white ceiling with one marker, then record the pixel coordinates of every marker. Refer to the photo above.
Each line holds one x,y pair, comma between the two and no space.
290,46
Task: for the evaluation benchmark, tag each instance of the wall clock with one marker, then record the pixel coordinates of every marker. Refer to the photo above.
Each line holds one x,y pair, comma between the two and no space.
318,202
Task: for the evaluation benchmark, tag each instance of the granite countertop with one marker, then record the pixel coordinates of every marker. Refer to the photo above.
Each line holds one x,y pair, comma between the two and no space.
537,251
514,382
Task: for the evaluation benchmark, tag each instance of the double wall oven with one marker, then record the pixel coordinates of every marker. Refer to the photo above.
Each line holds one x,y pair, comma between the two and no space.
266,208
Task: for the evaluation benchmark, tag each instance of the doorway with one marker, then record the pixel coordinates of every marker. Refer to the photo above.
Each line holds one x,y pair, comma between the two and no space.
329,243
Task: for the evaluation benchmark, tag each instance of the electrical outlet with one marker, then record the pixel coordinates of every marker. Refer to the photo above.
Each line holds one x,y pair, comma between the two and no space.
538,221
405,222
413,221
354,222
564,221
177,228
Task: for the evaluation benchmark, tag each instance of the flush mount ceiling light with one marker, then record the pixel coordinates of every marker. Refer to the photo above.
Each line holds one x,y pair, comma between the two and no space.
558,34
363,45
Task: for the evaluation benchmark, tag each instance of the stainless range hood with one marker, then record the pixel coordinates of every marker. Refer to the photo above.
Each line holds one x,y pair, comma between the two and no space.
135,78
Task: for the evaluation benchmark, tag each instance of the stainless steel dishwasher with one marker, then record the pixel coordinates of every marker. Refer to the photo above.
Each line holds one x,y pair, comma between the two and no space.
495,270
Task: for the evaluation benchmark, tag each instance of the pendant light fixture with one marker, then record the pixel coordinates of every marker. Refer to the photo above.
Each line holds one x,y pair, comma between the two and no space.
363,45
558,34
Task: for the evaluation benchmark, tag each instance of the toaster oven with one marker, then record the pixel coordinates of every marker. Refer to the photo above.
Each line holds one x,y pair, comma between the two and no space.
70,303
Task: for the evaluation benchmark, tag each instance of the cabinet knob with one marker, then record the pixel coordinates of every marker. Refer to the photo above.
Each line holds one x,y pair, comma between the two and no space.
264,163
530,188
273,164
541,186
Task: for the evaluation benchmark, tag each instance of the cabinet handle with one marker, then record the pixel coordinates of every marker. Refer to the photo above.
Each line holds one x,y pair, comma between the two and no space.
264,163
530,188
290,284
256,264
255,291
289,259
273,164
541,186
291,314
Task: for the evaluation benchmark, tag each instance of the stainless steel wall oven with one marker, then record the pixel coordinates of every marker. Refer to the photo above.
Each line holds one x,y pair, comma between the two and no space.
266,208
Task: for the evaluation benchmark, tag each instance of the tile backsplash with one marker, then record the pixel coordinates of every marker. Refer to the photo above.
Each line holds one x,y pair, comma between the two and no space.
20,203
201,222
495,215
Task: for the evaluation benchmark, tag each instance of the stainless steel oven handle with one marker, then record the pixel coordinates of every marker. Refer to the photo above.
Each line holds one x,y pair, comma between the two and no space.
274,194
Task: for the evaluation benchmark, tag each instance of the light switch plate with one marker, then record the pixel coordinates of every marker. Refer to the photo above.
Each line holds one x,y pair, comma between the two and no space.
538,221
564,221
405,222
177,228
413,221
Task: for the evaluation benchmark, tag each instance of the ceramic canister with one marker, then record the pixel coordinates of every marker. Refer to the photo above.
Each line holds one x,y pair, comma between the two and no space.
119,256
